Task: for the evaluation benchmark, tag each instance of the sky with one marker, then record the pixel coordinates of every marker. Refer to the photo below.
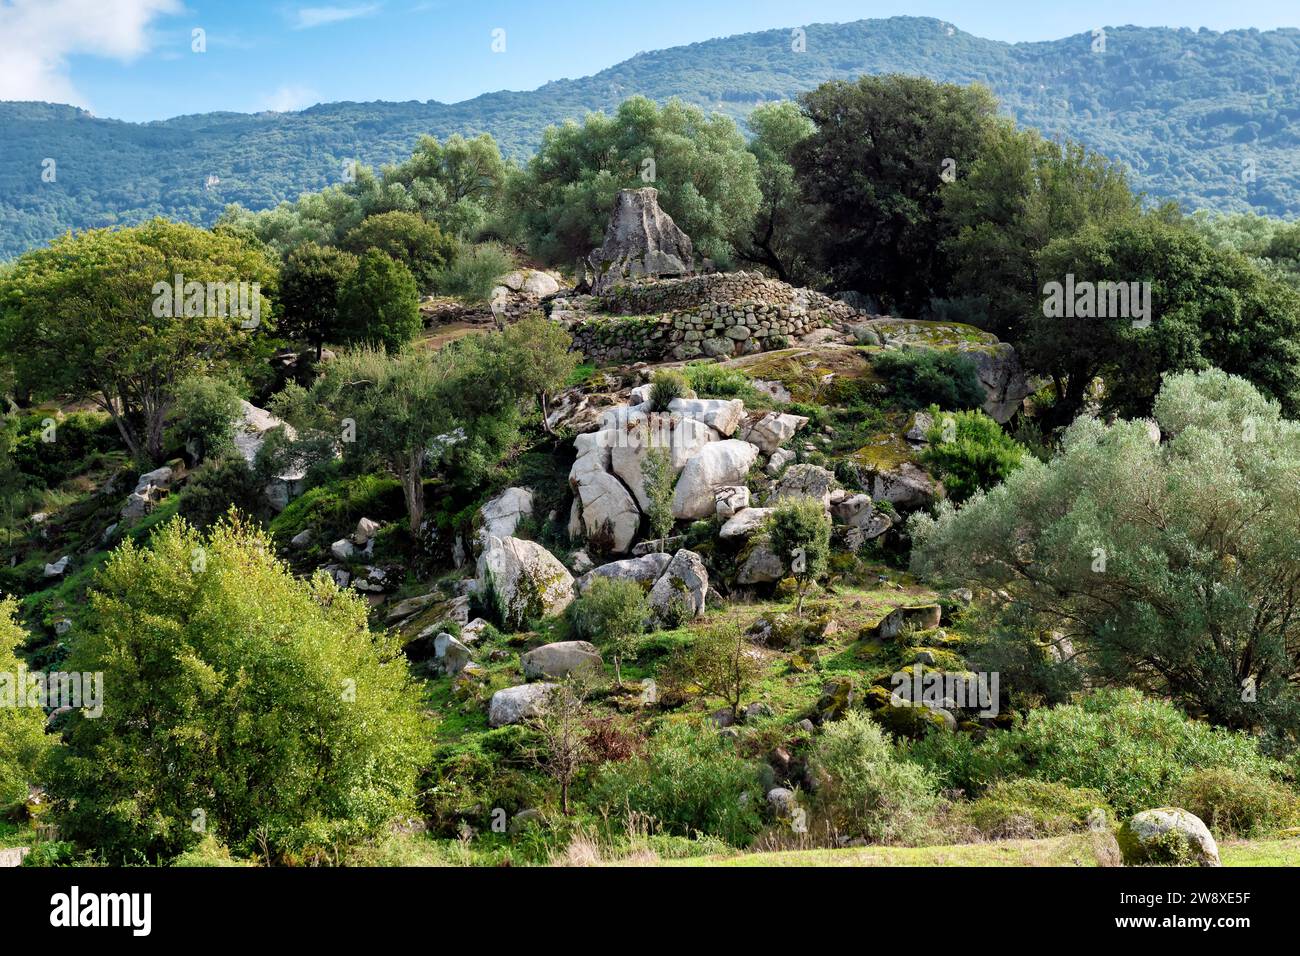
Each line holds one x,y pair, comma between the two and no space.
143,60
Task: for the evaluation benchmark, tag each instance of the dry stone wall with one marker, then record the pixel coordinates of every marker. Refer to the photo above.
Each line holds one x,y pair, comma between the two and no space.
717,315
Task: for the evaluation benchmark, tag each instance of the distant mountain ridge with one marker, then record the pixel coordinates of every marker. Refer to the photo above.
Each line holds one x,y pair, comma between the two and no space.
1208,119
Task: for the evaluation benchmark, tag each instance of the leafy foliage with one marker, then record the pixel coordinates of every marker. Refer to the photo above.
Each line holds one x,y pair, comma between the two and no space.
969,452
921,377
260,701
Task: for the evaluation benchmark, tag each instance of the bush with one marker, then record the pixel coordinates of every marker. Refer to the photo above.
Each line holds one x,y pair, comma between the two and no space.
473,273
713,380
204,416
969,452
261,701
219,485
611,614
921,377
75,437
23,743
690,781
1134,750
865,790
665,388
1028,809
1237,803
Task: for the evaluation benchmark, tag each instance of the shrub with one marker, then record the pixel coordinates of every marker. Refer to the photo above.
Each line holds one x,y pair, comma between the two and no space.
611,614
1237,803
75,436
665,387
23,743
1134,750
713,380
690,781
865,790
969,452
921,377
219,485
237,690
204,417
1029,809
473,273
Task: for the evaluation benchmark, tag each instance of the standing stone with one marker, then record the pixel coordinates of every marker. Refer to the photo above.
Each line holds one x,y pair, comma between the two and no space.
640,240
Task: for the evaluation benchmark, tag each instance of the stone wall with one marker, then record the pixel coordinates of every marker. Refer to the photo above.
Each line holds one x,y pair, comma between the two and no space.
707,316
708,331
673,295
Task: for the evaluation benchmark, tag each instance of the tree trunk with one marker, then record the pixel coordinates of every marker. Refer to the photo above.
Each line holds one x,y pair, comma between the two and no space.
409,473
798,612
541,400
618,670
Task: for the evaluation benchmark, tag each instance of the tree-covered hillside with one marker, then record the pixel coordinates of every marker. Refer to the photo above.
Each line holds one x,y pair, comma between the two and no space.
1201,117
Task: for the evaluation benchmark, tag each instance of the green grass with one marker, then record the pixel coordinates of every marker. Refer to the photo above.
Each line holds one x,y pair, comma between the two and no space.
1057,851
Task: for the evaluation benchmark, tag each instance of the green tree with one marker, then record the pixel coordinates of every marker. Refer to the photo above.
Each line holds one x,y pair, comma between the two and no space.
876,167
1173,567
245,703
707,179
800,535
383,408
379,304
23,743
406,238
1021,193
660,483
310,282
786,228
1206,308
719,663
94,315
537,355
611,614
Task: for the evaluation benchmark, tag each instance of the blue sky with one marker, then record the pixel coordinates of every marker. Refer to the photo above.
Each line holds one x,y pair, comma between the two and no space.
133,59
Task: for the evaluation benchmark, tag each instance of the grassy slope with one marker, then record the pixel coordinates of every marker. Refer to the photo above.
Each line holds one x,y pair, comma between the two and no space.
1058,851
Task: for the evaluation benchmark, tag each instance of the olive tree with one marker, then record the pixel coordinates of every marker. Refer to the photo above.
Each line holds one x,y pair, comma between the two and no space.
1172,565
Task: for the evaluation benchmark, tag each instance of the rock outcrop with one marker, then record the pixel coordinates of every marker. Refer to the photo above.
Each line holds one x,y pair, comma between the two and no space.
559,660
684,585
718,465
1167,835
516,704
527,581
641,240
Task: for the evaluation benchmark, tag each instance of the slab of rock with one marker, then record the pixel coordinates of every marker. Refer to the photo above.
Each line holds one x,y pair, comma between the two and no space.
685,578
560,659
745,523
805,481
780,458
770,430
921,616
641,240
58,567
609,515
762,566
729,499
722,414
1005,384
501,515
922,422
906,486
529,581
342,549
453,654
644,570
1167,835
855,511
302,540
718,464
515,704
404,609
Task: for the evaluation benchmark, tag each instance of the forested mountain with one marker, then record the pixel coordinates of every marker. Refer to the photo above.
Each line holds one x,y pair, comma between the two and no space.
1209,119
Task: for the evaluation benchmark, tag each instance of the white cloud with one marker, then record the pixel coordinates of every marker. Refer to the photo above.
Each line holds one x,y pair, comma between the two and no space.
309,17
38,36
289,98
